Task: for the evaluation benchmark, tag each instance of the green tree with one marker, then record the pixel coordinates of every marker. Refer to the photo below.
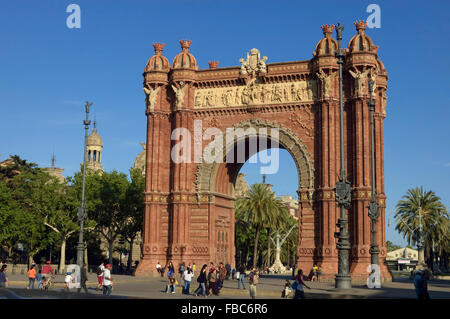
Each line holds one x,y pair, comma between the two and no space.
261,208
133,211
391,247
108,213
425,208
26,187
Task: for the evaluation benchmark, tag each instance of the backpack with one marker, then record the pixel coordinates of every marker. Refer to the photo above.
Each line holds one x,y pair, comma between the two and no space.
99,271
255,279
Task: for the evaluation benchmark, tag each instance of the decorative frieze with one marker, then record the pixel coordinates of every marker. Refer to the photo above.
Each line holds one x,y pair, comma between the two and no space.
256,94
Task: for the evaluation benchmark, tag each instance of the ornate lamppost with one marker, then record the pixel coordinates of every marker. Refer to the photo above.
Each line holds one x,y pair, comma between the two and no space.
373,205
82,210
343,189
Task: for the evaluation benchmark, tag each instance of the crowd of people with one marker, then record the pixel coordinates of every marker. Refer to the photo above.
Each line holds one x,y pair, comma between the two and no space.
210,278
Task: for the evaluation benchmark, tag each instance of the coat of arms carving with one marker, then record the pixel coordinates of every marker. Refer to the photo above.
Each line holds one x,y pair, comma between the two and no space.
254,63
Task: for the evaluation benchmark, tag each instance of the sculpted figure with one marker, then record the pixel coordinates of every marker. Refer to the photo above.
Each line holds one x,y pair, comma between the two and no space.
179,94
150,97
360,81
384,103
243,66
276,93
325,81
245,96
198,99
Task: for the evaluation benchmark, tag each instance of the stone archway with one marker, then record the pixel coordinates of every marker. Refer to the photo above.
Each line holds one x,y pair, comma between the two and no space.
189,209
205,176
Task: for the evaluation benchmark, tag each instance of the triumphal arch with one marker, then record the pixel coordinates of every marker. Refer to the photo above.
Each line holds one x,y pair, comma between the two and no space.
189,203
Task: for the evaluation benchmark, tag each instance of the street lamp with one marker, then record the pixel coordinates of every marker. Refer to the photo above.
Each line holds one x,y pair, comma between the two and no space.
373,205
82,209
343,189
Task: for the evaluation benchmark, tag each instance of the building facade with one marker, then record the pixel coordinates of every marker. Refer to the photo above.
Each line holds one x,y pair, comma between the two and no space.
293,105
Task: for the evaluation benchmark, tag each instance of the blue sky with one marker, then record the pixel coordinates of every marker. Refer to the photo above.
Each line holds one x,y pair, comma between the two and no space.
48,71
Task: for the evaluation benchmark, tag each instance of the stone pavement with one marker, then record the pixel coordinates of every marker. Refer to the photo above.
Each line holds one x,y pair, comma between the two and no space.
270,287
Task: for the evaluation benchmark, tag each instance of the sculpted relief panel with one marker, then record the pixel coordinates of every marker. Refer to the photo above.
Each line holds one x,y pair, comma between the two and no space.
302,91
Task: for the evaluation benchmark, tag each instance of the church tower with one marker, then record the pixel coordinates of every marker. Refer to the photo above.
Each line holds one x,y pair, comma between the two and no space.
94,148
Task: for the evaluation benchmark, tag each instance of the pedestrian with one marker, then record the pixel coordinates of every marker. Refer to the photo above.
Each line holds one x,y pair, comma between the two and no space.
68,281
241,277
212,279
46,271
201,279
3,278
187,276
181,270
286,290
107,281
158,268
420,284
39,279
233,273
83,279
171,285
31,277
228,268
298,286
100,271
315,273
253,279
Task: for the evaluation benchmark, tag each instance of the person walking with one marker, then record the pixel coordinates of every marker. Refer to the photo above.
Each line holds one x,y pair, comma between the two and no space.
3,278
253,279
421,285
315,273
158,268
187,276
31,277
201,279
298,285
39,279
107,281
181,270
241,279
47,272
83,279
100,271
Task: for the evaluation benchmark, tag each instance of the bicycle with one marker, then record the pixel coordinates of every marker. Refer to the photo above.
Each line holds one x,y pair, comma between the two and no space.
47,283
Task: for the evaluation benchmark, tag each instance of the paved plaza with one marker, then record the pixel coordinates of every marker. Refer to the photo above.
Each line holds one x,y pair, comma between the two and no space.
270,287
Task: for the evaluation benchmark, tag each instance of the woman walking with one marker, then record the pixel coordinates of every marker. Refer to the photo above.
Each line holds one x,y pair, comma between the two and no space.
201,279
31,277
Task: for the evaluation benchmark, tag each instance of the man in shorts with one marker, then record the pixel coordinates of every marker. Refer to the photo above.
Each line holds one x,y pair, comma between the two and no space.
253,279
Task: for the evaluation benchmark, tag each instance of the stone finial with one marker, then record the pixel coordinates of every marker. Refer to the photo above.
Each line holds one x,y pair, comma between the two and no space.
158,47
213,64
185,44
360,26
327,30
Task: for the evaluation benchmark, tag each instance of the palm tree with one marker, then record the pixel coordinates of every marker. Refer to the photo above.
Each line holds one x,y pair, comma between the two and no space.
421,214
262,209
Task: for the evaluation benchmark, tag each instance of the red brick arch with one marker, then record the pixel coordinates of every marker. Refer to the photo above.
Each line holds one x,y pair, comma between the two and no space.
189,206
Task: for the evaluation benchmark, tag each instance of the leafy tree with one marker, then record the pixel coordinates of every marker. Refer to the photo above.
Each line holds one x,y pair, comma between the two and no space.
425,207
133,211
391,247
26,186
261,208
108,214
